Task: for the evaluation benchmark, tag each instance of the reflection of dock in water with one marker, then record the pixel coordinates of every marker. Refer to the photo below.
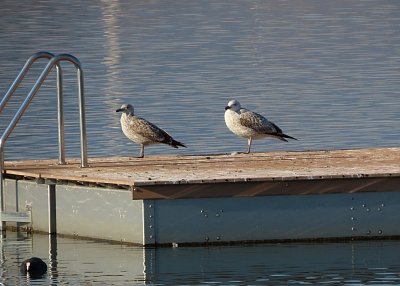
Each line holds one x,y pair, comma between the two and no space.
82,261
215,198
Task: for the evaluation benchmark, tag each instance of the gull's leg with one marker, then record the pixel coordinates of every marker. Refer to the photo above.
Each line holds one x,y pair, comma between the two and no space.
141,151
249,145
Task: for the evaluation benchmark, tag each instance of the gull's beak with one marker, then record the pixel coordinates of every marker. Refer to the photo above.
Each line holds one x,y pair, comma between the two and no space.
227,107
118,110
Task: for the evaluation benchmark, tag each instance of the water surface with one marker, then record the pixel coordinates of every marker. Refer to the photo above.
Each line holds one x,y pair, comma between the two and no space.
79,262
326,72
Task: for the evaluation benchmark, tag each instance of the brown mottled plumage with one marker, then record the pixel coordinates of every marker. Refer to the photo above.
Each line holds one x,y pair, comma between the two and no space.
251,125
143,132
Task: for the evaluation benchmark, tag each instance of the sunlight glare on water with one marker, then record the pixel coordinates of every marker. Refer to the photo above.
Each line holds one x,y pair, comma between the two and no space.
327,74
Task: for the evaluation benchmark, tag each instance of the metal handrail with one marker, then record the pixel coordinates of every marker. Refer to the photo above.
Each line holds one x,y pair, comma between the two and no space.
21,76
18,80
54,61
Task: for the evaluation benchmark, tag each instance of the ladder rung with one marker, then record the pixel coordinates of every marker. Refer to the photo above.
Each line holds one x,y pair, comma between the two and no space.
24,217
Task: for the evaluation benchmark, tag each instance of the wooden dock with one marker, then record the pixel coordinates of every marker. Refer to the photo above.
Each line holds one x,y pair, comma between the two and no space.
173,177
214,198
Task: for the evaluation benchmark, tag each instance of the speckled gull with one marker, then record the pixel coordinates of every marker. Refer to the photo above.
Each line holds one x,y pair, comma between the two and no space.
143,132
251,125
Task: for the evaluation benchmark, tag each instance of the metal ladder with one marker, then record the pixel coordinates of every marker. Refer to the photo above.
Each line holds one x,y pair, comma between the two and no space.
54,60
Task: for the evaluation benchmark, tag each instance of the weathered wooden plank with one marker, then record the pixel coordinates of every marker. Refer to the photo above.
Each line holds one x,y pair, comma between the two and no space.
194,176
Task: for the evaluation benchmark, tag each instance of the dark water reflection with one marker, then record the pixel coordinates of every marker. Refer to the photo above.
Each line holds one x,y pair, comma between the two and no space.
326,73
79,262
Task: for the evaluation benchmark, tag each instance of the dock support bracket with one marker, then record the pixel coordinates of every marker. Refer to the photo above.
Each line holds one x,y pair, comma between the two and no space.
52,209
149,227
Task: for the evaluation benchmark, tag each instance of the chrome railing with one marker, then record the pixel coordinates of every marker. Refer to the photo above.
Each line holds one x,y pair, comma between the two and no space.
53,61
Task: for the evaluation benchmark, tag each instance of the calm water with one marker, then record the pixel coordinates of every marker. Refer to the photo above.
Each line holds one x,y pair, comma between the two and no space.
77,262
325,72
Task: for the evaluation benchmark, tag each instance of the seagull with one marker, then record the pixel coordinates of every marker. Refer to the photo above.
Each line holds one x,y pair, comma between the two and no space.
143,132
251,125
